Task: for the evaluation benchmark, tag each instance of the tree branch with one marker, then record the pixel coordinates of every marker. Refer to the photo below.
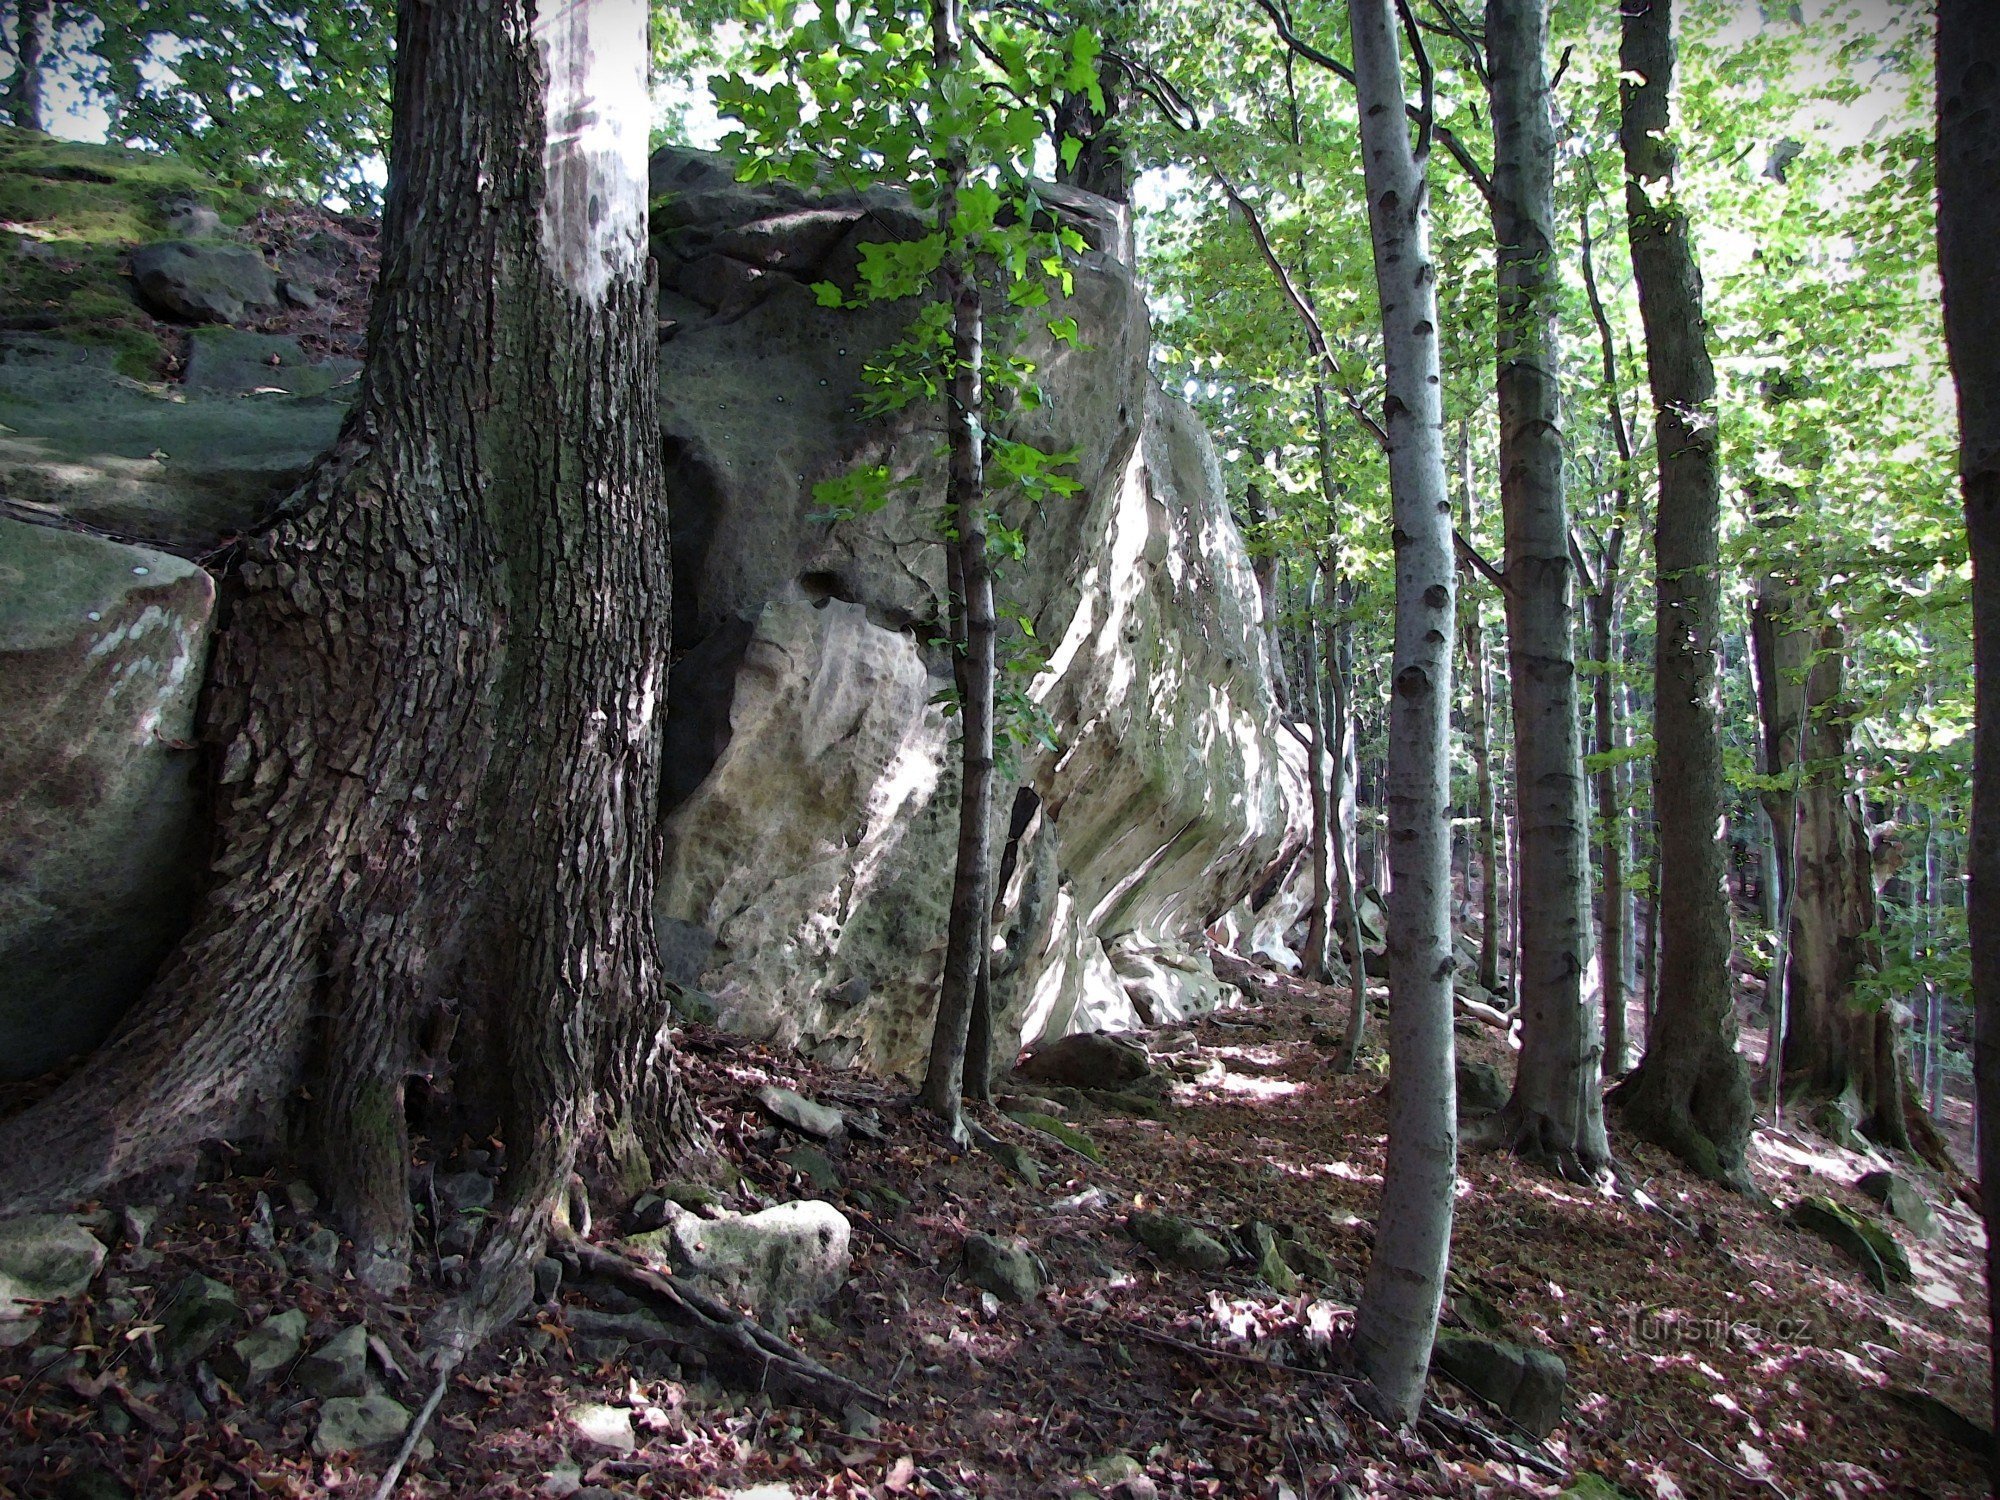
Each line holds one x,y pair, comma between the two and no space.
1452,144
1469,555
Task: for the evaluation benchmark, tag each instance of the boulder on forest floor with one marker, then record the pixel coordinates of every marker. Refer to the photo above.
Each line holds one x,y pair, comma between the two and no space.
1899,1196
1526,1384
1176,1241
1869,1245
1004,1267
1481,1089
779,1262
193,281
1090,1060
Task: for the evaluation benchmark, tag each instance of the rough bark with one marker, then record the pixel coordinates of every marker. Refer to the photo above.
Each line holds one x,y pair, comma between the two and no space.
34,31
1691,1093
1968,163
1556,1112
1103,160
479,566
1397,1318
1825,871
970,580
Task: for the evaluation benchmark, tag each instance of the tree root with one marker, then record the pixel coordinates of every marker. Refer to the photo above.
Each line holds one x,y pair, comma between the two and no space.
740,1345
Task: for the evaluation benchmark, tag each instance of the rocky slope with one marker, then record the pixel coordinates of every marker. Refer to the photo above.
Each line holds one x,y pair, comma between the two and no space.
810,785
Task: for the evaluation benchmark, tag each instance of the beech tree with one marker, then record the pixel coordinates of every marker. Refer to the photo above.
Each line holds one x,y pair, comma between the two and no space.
1396,1321
437,707
1557,1111
1691,1093
1968,159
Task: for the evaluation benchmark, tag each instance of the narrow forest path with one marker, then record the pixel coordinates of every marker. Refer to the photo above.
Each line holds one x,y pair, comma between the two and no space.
1712,1350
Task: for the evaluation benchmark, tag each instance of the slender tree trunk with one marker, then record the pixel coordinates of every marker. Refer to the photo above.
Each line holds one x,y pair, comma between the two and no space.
1691,1094
1968,164
1317,771
452,582
971,584
34,32
1556,1113
1397,1318
1479,738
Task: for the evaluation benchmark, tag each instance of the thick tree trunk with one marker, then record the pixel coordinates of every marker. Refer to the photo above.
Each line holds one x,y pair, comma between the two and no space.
1556,1113
479,566
1479,744
1102,164
1314,961
1825,869
34,32
1397,1318
1691,1094
1968,164
971,585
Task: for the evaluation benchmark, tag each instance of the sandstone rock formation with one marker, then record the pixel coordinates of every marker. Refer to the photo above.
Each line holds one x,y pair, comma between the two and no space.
810,781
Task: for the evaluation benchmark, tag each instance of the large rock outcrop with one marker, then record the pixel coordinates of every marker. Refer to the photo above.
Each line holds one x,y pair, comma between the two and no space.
810,783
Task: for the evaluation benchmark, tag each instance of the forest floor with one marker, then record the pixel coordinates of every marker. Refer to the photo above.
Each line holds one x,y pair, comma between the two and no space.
1711,1349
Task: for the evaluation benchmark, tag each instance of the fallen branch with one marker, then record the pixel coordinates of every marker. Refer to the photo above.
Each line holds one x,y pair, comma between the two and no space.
416,1431
757,1355
1463,1429
1727,1467
1257,1361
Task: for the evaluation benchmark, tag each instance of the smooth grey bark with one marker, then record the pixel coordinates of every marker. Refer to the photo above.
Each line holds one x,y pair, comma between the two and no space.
1396,1321
1556,1112
1314,961
1613,825
969,579
1968,164
1691,1093
34,32
1479,742
437,707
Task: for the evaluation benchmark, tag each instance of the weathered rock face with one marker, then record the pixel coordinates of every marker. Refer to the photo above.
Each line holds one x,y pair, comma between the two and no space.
101,654
812,780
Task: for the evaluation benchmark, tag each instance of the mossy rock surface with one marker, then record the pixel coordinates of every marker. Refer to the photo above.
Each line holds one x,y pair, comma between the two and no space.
1069,1135
75,211
1871,1246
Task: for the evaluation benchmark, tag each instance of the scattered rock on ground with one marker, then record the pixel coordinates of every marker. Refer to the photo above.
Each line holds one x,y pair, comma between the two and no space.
1069,1135
263,1351
1178,1242
354,1424
1004,1267
777,1262
1871,1246
1088,1060
1480,1086
1527,1384
1261,1241
815,1166
820,1121
1900,1197
198,1311
1015,1159
318,1253
604,1426
44,1258
338,1367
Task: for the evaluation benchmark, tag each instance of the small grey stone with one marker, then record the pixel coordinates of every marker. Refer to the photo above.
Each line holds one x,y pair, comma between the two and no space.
1006,1268
263,1351
548,1278
1014,1158
1178,1242
259,1232
604,1426
338,1367
695,1197
45,1258
465,1191
318,1253
788,1108
814,1165
189,220
1903,1201
301,1197
198,1311
354,1424
458,1237
298,294
139,1219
